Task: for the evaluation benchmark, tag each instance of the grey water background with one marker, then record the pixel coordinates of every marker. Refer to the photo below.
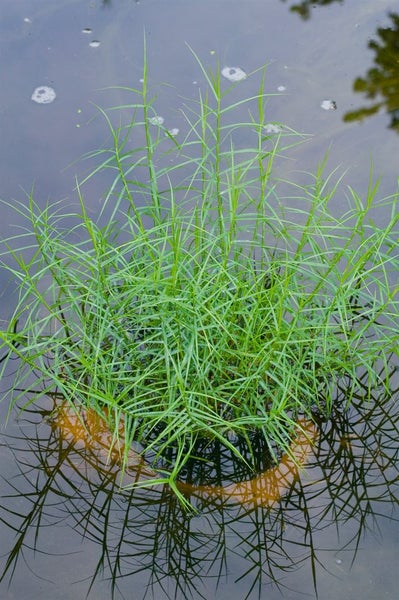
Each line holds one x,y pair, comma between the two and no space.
314,58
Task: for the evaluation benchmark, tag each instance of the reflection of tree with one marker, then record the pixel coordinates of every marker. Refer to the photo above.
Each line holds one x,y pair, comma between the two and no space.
147,531
304,8
382,81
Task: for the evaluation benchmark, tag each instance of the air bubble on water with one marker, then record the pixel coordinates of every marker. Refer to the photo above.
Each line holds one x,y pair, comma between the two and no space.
234,73
273,128
87,30
328,105
94,44
157,120
27,20
281,88
174,131
43,95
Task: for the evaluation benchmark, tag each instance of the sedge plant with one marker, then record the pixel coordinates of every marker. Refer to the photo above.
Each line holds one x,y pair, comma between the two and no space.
208,300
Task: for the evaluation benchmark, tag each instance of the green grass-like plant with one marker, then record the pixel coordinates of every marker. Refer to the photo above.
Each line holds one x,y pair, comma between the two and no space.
200,303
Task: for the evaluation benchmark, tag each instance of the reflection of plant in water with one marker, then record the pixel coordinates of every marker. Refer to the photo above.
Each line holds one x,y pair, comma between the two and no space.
304,8
147,531
203,476
366,441
382,81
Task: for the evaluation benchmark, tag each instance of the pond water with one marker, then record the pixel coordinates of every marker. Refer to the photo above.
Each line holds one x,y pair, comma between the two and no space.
65,526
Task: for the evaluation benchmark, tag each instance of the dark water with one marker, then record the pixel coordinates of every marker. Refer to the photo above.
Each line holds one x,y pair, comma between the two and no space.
335,530
69,527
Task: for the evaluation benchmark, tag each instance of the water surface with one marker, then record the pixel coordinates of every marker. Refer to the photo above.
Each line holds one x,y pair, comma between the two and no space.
336,526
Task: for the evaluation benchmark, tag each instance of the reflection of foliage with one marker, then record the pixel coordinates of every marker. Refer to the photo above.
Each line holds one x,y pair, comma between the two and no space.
147,531
304,8
382,81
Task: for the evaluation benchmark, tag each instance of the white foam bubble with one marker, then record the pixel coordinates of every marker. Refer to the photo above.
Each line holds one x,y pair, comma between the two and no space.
157,120
273,128
234,73
328,105
43,95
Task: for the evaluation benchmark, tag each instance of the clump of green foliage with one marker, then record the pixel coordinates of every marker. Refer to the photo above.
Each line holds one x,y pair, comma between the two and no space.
205,304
